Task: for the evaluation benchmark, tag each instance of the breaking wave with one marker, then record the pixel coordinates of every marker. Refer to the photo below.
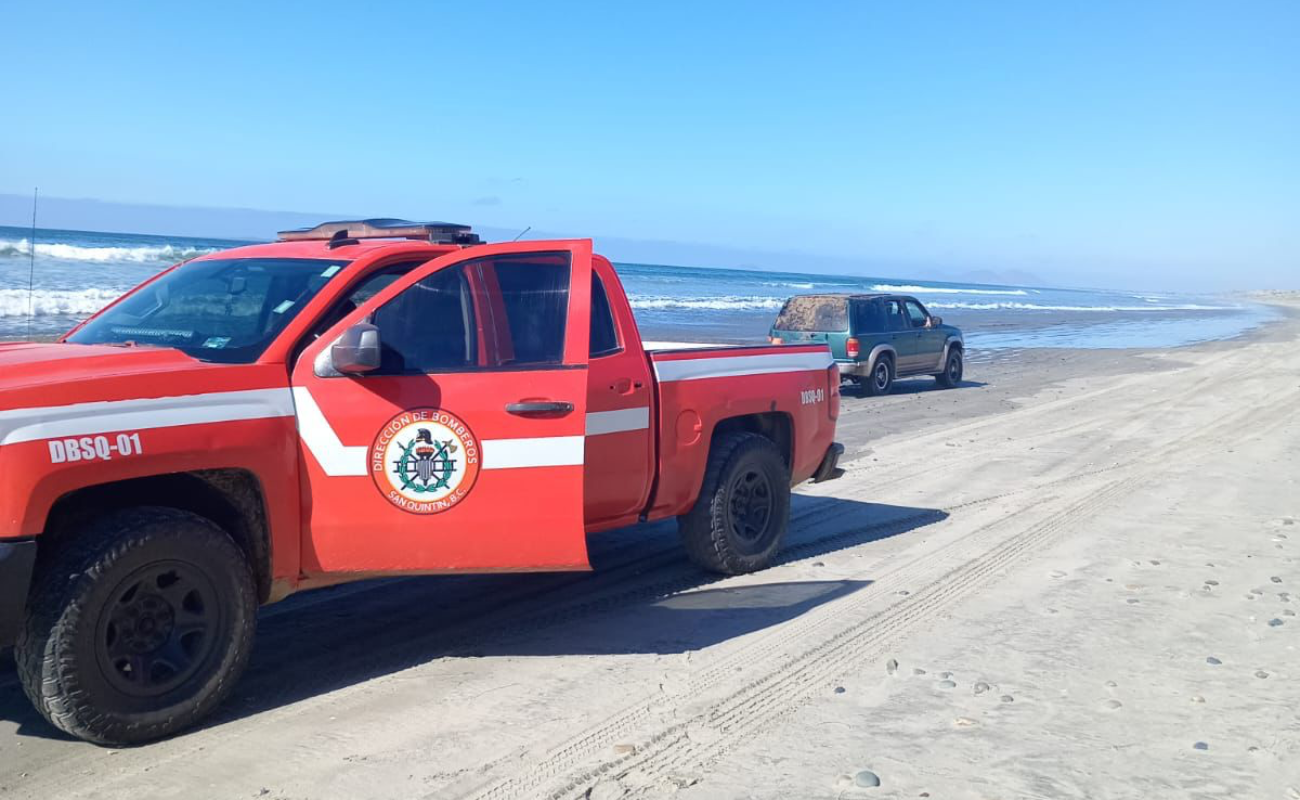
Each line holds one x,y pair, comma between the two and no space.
909,289
703,303
55,302
144,254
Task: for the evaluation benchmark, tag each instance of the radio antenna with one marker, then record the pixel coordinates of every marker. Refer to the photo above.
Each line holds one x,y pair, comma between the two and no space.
521,233
31,265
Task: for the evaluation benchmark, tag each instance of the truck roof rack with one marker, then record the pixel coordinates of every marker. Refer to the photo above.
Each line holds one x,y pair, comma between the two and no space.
350,231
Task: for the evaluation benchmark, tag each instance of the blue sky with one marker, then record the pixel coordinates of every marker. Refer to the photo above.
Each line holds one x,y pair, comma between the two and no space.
1090,143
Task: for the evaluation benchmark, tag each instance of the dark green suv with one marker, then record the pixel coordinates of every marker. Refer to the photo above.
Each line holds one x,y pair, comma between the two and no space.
874,337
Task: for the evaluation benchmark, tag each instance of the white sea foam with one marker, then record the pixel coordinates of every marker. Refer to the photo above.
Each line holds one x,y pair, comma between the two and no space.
60,302
1037,307
803,285
145,254
910,289
705,303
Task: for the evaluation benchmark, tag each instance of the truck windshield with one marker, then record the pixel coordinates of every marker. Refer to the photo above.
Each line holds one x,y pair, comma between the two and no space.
223,310
814,314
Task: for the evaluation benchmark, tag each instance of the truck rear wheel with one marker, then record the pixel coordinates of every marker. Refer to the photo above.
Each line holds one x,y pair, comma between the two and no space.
743,510
137,627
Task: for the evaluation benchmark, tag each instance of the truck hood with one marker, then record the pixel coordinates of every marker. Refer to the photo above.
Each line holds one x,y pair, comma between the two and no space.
33,368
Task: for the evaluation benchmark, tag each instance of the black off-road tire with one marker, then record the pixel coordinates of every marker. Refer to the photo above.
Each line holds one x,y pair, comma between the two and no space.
881,379
723,532
137,579
953,368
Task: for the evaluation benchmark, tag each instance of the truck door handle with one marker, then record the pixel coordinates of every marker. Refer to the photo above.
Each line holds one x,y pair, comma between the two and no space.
625,386
539,408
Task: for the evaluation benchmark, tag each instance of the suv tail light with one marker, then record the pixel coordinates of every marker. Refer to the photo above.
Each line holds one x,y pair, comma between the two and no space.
833,391
853,348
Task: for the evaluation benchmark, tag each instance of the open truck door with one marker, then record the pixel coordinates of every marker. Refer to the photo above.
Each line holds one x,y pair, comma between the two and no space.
442,422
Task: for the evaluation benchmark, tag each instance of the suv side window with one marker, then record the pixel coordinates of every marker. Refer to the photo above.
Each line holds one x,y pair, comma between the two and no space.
894,319
604,336
868,316
916,314
491,312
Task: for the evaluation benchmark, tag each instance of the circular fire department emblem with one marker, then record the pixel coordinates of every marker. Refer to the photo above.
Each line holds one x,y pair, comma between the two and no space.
424,460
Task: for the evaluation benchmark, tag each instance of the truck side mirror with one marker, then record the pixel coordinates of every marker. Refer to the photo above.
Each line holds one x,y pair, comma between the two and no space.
357,351
935,322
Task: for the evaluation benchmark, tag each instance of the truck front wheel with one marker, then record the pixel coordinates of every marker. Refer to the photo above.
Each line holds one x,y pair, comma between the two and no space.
743,510
137,627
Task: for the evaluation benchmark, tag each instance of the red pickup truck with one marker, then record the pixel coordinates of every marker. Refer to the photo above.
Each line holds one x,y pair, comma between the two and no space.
358,399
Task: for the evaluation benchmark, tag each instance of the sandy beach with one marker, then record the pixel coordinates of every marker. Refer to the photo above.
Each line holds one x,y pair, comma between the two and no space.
1073,577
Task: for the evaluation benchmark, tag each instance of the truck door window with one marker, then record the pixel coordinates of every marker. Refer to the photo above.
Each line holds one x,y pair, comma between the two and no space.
916,314
604,337
894,319
427,328
492,312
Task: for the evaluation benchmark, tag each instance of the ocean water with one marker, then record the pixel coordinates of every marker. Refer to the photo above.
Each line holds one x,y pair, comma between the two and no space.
76,273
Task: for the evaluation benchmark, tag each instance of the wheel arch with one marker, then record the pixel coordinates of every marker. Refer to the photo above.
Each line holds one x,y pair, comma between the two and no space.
233,499
776,426
878,351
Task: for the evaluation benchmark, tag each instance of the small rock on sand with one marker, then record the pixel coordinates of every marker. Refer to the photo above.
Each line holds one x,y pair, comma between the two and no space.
945,675
1213,661
1111,684
1113,704
1196,698
947,685
1006,698
866,779
1261,673
1132,601
1256,591
839,690
891,666
918,671
981,687
964,722
1200,746
1212,583
1274,622
1275,579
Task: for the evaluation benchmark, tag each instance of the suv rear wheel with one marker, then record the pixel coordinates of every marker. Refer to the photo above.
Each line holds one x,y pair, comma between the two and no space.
881,379
743,510
137,627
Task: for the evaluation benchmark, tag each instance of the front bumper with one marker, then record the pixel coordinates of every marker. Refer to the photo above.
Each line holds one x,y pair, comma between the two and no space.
17,561
829,469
